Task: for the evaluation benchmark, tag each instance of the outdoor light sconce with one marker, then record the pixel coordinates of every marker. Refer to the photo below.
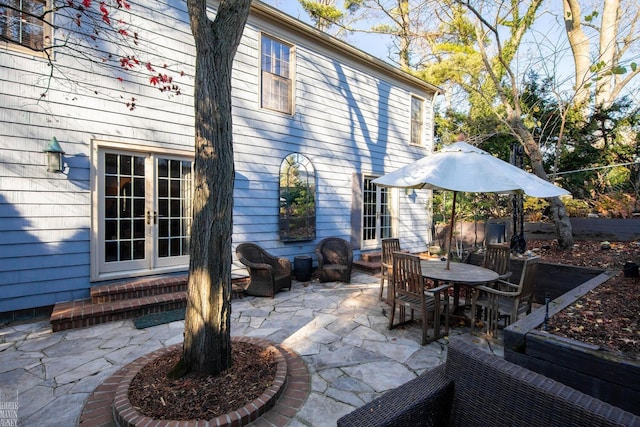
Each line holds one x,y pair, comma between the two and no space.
54,156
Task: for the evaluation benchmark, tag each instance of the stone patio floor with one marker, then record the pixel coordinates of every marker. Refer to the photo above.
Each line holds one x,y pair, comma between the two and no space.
339,330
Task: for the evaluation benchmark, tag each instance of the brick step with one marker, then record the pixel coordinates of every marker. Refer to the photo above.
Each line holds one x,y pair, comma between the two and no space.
128,299
138,288
367,266
371,257
81,313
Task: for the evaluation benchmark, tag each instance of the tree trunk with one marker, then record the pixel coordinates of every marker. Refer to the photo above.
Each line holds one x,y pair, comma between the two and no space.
207,335
608,50
561,220
580,46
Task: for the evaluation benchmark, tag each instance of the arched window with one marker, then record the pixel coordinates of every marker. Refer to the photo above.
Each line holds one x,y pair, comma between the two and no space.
297,199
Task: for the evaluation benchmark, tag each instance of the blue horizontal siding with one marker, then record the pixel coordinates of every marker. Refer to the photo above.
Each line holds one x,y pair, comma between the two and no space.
45,299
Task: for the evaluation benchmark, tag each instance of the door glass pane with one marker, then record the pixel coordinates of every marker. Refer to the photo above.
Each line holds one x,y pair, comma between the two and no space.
385,213
123,207
376,212
174,206
111,163
369,210
110,251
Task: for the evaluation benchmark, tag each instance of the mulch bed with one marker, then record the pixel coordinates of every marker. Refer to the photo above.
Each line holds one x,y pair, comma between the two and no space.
202,397
608,316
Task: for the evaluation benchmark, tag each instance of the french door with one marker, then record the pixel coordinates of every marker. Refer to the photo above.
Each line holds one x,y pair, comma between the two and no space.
377,219
143,212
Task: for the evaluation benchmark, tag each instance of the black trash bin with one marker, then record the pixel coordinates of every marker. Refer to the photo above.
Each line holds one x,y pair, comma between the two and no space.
302,268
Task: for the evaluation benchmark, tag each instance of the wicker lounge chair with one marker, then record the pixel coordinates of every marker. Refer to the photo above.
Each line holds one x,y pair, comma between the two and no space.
335,258
476,388
268,274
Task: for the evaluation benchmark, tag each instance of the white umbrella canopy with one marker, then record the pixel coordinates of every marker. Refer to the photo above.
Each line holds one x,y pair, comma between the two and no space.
463,167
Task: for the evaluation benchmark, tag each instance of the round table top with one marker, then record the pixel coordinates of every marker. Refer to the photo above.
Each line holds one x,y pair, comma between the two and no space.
459,272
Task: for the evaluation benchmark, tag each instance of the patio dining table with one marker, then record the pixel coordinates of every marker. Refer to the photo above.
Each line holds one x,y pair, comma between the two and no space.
459,273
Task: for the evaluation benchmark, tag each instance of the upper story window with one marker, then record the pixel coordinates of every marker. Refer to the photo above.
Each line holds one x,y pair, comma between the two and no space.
22,23
417,120
277,84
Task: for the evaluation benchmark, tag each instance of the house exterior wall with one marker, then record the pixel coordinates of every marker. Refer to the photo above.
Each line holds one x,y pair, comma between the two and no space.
351,119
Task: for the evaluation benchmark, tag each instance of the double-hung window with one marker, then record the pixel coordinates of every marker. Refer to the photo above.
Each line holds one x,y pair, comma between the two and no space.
22,23
277,84
417,120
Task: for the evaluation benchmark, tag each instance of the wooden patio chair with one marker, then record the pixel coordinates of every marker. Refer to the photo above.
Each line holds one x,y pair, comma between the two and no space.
389,246
409,292
497,257
506,300
268,274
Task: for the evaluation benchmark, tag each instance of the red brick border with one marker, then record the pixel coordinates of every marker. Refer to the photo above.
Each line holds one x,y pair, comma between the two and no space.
276,407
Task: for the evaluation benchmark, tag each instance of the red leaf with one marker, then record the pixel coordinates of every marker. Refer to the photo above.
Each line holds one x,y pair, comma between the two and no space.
149,66
105,13
86,3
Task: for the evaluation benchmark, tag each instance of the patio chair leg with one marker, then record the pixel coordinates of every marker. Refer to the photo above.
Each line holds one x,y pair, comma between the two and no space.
393,313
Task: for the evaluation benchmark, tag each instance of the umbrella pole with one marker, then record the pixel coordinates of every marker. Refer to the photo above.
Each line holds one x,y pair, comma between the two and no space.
453,214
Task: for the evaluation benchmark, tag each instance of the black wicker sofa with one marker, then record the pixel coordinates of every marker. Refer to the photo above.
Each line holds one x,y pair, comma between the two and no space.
477,388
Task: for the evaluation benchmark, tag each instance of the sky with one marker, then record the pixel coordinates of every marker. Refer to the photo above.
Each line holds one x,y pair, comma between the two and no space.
375,45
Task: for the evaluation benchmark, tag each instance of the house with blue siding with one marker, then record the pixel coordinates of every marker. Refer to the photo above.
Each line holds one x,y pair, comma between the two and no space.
315,121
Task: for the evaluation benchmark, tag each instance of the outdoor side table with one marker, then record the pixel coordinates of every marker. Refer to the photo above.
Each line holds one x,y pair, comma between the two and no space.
302,268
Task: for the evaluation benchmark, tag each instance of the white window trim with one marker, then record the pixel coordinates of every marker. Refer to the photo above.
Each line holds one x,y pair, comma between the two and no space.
424,116
47,37
292,74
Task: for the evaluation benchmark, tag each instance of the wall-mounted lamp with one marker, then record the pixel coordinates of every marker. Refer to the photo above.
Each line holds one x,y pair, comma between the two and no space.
54,156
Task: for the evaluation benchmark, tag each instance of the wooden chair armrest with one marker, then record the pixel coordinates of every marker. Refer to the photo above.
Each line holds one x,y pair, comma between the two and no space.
494,291
437,289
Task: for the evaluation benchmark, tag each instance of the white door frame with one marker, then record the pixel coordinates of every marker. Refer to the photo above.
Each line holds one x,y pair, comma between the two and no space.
152,263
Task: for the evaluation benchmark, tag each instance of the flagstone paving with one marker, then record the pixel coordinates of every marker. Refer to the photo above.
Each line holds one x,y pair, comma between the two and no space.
339,330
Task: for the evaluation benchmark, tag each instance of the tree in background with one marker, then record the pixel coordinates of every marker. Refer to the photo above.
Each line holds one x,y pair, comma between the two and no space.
324,13
490,80
599,43
474,50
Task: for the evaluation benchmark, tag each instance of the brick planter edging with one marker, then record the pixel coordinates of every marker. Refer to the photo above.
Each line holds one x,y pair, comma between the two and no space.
109,405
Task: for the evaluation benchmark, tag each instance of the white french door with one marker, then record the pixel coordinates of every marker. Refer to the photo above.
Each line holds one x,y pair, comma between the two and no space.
143,212
377,218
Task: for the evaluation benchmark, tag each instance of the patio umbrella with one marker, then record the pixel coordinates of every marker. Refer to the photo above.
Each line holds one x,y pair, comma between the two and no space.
463,167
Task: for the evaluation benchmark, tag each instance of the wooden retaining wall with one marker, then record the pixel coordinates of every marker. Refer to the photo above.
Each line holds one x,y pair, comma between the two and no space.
611,229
